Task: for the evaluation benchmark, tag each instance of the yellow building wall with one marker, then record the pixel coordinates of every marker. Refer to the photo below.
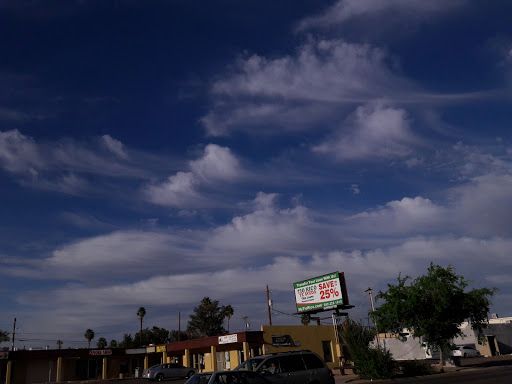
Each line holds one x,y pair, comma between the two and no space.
304,337
208,366
233,358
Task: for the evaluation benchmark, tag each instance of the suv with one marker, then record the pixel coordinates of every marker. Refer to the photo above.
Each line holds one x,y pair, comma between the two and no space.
294,367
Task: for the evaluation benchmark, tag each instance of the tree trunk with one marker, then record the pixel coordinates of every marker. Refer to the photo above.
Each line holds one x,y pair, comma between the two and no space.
141,339
441,361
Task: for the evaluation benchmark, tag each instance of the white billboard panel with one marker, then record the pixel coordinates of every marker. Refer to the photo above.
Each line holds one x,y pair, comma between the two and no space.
319,293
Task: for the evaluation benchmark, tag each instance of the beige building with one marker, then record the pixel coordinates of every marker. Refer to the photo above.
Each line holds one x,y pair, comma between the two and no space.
224,352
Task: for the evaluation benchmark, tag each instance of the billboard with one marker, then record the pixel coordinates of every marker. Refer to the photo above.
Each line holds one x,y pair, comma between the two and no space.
319,293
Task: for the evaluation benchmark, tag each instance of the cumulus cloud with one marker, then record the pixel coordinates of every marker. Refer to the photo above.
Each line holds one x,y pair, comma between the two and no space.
179,190
313,83
406,216
119,255
217,163
183,190
411,10
373,267
374,131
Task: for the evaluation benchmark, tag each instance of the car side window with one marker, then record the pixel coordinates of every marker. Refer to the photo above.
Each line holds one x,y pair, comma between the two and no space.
312,361
227,378
270,367
292,363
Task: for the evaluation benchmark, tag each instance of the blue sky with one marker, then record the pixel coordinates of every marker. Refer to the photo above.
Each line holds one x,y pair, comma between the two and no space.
153,153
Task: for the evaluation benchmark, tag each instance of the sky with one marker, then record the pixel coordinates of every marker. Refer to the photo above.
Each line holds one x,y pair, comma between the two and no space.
154,153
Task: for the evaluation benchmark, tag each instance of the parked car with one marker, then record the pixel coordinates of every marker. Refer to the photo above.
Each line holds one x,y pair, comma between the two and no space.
294,367
464,351
227,377
161,372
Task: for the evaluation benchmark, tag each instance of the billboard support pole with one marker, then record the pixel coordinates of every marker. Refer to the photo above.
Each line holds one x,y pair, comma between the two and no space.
335,317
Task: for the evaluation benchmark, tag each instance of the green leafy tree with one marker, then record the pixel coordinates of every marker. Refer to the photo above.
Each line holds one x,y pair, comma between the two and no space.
4,336
59,343
127,341
434,306
101,343
89,335
207,319
229,312
154,335
173,335
141,313
113,344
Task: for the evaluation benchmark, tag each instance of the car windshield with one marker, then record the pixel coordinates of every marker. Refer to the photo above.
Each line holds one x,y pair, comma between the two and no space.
249,365
199,378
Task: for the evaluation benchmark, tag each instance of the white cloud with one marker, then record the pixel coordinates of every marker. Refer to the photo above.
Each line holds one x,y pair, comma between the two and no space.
363,268
483,206
311,85
218,163
114,146
374,131
63,165
410,10
270,230
406,216
179,190
355,189
19,153
184,189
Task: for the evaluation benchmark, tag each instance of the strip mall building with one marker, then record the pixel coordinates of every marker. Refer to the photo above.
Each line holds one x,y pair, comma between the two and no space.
206,354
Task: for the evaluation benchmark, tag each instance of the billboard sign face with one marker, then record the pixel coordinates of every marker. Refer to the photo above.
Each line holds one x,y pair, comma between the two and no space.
227,339
319,293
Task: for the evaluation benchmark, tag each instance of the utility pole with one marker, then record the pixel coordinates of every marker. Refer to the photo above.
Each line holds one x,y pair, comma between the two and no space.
269,304
369,290
179,325
13,333
246,323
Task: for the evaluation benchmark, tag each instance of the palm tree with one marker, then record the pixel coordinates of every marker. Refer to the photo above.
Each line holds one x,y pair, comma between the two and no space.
59,343
141,313
229,312
89,335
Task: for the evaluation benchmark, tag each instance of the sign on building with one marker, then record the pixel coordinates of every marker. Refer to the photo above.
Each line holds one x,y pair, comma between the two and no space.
320,293
227,339
100,352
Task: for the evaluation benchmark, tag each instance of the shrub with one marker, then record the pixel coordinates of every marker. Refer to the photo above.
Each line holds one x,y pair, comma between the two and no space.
416,368
368,363
375,364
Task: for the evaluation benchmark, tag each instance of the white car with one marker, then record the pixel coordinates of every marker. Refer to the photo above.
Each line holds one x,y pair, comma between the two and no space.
464,351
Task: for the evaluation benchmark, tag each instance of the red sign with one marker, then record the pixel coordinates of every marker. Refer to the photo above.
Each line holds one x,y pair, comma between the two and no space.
100,352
